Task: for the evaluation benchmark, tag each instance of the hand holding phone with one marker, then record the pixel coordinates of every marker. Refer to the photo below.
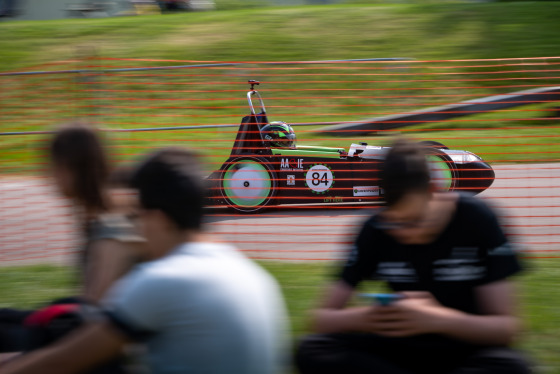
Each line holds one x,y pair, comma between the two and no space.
382,299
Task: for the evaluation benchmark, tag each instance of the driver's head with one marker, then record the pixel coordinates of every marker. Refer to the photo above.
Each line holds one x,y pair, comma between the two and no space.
279,134
405,172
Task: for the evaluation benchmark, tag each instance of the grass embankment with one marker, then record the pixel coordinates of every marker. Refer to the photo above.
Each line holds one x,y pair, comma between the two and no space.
423,31
301,283
313,93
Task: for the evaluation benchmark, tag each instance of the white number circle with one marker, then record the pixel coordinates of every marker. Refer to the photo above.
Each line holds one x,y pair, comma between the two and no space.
319,178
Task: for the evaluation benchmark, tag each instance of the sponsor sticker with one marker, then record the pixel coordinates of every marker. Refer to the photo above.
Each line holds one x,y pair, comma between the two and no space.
291,180
333,199
365,190
291,164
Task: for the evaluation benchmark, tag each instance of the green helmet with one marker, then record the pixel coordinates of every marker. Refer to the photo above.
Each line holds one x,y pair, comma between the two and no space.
279,134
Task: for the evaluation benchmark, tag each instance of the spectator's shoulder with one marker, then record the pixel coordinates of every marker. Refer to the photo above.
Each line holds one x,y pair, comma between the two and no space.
149,280
374,222
375,225
471,205
113,226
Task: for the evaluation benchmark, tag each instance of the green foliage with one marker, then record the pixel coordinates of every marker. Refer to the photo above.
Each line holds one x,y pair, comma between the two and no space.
423,30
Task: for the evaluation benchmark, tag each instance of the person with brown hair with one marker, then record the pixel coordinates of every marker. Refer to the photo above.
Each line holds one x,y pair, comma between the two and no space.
79,169
447,260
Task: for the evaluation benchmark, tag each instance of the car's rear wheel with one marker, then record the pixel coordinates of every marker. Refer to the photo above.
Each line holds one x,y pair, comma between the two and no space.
248,184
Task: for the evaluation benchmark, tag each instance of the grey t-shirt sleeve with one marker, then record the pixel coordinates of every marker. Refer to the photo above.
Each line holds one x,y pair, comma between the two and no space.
137,304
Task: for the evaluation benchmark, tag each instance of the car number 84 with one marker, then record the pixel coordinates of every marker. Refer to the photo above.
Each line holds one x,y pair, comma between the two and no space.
319,178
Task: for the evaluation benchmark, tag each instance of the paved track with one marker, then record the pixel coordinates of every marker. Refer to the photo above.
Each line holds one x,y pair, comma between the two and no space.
36,226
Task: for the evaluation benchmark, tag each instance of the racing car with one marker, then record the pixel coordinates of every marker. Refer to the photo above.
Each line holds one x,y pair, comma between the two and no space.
266,168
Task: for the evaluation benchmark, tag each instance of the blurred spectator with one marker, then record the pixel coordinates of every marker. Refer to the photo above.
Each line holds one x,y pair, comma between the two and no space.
78,165
80,170
8,8
167,6
447,257
200,306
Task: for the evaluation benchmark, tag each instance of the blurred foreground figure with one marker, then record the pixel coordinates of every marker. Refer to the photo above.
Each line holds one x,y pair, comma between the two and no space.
8,8
167,6
199,306
447,259
79,168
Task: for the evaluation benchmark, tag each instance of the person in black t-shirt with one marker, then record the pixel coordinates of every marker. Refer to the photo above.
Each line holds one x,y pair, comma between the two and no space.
448,258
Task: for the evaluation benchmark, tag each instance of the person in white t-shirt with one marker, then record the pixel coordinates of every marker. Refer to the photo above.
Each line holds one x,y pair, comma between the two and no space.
199,306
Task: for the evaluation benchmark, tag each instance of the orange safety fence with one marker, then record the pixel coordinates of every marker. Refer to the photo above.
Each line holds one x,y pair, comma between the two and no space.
314,207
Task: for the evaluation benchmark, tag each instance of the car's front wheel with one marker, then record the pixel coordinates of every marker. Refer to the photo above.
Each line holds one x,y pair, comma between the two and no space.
443,172
433,144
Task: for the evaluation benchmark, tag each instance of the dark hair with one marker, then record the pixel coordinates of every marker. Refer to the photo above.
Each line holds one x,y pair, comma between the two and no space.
171,180
78,148
404,170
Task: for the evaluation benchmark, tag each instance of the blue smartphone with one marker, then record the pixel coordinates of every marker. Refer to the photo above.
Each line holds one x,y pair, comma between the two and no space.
381,298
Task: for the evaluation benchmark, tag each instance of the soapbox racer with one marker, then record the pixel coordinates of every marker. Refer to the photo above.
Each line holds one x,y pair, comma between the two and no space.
259,175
